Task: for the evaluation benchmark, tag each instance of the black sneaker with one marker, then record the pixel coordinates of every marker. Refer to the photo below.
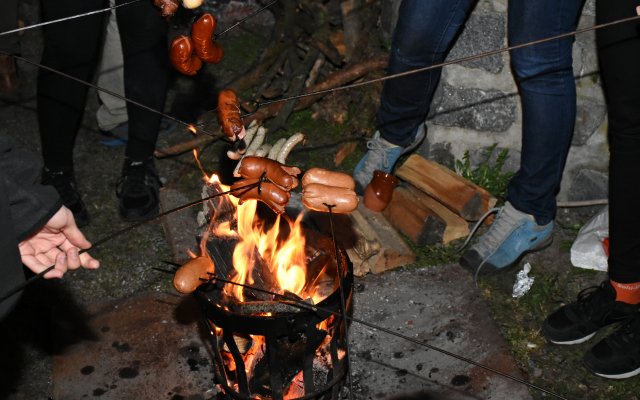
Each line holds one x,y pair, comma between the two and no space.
618,355
138,190
64,182
577,322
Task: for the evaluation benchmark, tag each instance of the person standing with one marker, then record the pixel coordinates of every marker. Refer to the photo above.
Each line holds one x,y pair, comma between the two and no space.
617,299
424,34
73,47
9,45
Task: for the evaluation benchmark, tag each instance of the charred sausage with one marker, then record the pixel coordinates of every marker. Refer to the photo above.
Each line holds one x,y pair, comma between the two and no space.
167,7
182,57
229,115
202,35
270,194
282,175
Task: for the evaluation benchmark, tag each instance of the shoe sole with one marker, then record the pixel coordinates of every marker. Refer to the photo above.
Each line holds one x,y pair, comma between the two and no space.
490,268
574,341
619,376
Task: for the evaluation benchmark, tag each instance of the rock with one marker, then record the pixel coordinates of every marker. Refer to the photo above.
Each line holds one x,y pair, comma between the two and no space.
480,110
483,32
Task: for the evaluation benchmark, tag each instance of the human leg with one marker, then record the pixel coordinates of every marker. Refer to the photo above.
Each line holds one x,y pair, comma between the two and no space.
72,48
143,35
113,111
423,36
544,76
618,355
9,44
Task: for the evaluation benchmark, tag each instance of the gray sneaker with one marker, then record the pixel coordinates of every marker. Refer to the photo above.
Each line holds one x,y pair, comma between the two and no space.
382,155
512,235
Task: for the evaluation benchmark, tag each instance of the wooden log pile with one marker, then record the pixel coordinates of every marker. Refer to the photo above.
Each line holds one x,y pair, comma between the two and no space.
433,204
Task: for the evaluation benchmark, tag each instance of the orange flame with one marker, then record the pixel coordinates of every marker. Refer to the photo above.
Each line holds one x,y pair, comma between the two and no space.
285,258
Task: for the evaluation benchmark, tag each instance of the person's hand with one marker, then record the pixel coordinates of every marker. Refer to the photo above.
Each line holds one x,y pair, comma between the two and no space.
57,243
638,10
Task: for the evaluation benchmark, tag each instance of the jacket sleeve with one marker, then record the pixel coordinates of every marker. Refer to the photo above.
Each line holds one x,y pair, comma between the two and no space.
31,204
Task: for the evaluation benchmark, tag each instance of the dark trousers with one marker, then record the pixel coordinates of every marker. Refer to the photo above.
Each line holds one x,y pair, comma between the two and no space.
425,33
619,56
9,21
73,47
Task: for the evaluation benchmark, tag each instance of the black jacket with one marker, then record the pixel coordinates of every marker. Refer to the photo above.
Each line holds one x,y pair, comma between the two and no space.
25,206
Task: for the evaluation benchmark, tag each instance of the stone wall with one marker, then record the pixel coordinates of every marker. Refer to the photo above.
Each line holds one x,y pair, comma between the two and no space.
477,103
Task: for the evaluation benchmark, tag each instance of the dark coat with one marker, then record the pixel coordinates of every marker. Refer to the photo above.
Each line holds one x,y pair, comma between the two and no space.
25,206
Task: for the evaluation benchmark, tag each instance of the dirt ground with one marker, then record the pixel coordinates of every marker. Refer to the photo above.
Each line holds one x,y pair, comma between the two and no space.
419,300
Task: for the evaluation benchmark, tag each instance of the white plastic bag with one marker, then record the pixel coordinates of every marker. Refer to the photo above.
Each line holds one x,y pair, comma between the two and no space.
588,250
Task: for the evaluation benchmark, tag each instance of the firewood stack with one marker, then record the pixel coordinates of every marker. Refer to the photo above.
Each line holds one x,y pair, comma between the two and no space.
433,204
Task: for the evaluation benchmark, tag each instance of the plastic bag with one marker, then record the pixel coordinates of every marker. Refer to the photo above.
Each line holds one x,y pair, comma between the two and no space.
591,247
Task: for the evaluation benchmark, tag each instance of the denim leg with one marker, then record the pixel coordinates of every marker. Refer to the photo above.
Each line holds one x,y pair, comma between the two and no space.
547,89
423,36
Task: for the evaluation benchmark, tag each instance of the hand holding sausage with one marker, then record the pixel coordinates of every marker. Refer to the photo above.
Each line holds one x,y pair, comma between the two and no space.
202,35
182,57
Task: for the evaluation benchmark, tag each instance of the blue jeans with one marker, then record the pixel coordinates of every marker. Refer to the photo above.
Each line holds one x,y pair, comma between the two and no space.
424,34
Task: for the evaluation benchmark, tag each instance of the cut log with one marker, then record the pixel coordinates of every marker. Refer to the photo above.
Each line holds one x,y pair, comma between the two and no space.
423,219
372,244
463,197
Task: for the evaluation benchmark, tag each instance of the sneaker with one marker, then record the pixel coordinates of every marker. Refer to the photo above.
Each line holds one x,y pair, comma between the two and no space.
382,155
579,321
65,184
512,235
618,355
138,190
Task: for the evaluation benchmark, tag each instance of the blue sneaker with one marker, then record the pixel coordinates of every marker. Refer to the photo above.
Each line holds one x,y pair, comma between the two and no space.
382,155
512,235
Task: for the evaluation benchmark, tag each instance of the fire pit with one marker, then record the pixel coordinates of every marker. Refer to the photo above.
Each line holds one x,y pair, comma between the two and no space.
274,316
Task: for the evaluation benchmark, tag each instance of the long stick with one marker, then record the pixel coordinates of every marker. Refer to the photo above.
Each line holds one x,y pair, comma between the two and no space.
117,233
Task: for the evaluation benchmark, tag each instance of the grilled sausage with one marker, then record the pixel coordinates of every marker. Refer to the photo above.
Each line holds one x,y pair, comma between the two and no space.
318,197
182,57
281,175
229,115
202,35
189,276
270,194
329,178
167,7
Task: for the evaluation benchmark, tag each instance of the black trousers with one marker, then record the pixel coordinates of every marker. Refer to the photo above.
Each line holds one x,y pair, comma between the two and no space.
74,47
619,57
9,21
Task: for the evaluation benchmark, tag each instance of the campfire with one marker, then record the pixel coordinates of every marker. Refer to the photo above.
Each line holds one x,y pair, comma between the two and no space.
271,302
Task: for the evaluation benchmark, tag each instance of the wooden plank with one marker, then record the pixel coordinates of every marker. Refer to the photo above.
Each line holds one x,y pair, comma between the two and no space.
180,228
423,219
458,194
394,252
371,243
